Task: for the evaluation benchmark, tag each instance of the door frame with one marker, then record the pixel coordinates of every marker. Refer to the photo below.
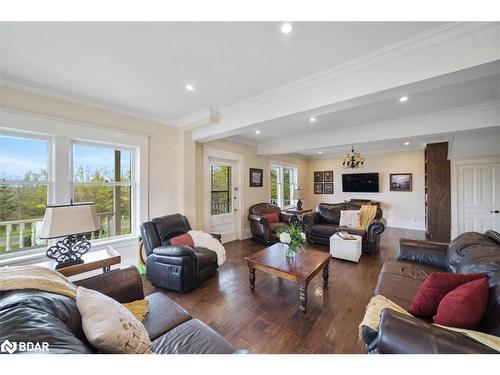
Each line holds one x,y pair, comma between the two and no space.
454,164
213,153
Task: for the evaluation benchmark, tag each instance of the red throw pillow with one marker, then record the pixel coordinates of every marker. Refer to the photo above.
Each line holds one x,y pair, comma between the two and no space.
272,217
435,287
182,240
465,306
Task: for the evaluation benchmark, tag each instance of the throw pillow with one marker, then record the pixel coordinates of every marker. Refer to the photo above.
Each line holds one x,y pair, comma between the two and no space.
350,218
109,326
272,217
435,287
465,306
182,240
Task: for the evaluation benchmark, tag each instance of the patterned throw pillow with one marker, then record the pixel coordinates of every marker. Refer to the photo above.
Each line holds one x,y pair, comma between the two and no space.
109,326
350,218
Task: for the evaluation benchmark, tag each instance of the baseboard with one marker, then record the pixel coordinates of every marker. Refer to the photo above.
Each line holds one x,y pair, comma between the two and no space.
404,224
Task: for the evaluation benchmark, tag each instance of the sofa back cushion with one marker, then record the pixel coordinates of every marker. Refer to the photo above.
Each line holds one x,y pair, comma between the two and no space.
469,243
36,316
170,226
330,213
272,217
262,209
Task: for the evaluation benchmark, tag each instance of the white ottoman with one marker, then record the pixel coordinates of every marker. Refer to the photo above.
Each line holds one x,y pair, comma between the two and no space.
346,249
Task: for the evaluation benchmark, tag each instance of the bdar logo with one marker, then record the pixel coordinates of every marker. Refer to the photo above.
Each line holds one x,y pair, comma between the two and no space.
8,347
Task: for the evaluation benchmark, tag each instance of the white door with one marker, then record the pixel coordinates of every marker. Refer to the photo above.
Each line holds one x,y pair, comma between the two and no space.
224,198
478,193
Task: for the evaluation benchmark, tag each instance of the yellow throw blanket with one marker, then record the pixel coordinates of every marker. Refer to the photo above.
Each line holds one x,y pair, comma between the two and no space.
378,303
367,214
47,280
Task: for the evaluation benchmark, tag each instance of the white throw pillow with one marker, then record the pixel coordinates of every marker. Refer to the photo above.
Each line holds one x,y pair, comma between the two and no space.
350,218
109,326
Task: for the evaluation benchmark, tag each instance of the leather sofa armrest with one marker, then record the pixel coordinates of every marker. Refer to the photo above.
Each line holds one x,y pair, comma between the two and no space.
375,227
424,252
288,218
173,251
311,218
217,236
243,351
123,284
257,218
403,334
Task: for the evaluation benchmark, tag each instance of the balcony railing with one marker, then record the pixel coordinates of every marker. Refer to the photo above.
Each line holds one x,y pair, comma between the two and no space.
274,201
24,234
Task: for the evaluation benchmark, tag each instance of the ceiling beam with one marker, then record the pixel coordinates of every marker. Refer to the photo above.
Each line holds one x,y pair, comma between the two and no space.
467,118
454,47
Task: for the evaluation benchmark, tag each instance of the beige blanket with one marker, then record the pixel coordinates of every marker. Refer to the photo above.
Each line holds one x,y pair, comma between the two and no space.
35,277
378,303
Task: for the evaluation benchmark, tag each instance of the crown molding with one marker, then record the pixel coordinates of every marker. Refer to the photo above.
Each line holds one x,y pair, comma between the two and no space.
207,116
39,89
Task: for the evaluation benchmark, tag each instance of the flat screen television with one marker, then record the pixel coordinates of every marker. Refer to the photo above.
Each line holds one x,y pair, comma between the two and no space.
360,183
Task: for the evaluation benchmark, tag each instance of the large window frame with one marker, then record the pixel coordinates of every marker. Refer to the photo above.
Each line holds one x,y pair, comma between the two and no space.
280,168
60,136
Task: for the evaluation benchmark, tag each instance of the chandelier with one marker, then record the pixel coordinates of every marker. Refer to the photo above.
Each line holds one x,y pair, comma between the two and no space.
353,160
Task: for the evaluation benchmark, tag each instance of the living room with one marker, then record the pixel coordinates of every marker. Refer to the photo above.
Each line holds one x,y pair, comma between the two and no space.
250,187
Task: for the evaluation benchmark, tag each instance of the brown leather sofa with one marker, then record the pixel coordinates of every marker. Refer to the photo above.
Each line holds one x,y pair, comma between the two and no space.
324,223
400,279
261,228
36,316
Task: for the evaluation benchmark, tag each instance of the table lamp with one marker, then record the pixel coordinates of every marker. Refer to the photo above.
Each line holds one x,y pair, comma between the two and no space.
73,222
298,194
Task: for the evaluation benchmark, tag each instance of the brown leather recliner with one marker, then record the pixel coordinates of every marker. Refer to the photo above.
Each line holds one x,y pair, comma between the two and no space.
400,279
262,229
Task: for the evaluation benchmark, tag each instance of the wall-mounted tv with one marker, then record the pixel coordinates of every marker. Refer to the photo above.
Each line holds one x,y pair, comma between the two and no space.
360,183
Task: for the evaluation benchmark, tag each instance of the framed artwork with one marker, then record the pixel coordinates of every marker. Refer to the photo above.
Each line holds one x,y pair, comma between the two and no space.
318,177
328,188
256,177
318,188
400,182
328,176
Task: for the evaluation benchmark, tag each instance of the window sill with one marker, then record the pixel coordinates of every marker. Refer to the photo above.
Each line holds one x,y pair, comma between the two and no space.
34,255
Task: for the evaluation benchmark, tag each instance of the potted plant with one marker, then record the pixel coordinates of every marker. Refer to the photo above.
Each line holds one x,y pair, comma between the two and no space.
293,237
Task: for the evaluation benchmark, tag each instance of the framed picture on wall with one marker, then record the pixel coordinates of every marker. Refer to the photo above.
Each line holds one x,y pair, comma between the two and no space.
328,176
256,177
400,182
318,177
328,188
318,188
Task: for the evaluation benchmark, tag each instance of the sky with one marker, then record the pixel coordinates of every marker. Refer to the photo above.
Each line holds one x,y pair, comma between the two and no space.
18,156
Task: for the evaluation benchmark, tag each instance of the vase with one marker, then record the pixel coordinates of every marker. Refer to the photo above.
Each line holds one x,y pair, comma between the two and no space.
290,252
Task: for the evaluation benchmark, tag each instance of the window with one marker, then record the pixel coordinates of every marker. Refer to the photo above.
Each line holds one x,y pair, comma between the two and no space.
283,183
220,182
104,175
23,192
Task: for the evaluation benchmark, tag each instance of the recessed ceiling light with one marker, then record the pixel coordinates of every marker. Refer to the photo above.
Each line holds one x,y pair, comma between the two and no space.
403,99
286,28
189,87
312,119
320,152
407,143
257,132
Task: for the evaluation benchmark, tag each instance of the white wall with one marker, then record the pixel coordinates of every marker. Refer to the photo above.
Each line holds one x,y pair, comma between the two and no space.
400,209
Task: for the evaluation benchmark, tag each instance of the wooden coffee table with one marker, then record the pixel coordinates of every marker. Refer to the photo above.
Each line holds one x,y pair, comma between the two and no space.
301,269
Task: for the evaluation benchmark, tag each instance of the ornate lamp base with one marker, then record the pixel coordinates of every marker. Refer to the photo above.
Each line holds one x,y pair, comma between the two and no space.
69,251
299,205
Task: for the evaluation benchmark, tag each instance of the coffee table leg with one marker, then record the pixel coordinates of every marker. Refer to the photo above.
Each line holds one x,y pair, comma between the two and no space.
303,297
325,276
252,276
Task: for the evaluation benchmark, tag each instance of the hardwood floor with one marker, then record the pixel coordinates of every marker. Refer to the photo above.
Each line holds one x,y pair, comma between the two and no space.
268,319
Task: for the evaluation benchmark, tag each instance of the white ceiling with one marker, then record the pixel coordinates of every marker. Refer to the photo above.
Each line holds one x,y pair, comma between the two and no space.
143,67
467,93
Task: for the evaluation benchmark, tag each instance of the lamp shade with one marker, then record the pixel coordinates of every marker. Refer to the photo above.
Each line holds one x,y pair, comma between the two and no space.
66,220
298,194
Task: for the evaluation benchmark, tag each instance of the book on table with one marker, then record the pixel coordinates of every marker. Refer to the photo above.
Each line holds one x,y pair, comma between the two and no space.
346,236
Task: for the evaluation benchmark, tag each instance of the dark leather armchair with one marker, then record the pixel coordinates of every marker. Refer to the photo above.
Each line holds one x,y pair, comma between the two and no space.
324,223
179,268
400,279
262,229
